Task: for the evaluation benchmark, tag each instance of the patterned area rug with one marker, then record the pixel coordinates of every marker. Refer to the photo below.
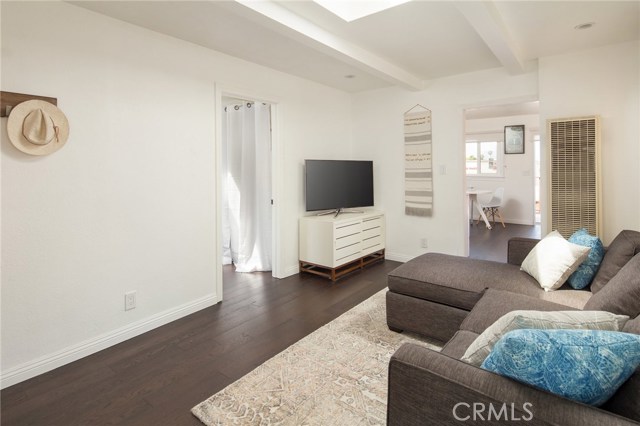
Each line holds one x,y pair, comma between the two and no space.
337,375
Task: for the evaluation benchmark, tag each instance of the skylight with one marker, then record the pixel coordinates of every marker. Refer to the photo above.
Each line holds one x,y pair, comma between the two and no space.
350,10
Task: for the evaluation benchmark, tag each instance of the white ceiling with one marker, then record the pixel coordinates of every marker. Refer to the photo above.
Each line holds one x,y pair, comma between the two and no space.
406,45
509,110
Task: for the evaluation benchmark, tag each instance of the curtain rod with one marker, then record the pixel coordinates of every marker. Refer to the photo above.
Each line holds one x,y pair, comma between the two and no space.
237,106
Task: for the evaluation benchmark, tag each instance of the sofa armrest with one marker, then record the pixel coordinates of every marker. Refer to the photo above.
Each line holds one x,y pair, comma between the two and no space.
427,387
518,248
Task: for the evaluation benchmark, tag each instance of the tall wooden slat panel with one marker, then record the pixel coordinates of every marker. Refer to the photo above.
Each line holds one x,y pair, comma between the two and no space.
574,174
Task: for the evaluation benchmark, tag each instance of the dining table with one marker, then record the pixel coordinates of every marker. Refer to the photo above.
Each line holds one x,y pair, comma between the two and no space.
472,194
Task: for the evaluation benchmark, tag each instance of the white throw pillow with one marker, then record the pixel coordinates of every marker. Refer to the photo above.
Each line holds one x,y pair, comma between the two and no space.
516,320
553,259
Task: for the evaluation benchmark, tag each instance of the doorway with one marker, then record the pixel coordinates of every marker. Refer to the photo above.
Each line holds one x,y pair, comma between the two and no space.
246,186
510,181
537,166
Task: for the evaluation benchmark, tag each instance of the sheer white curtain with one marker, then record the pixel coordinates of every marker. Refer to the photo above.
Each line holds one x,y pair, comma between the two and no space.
246,198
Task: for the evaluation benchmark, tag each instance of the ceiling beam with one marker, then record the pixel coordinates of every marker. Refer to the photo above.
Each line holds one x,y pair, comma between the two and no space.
488,23
312,35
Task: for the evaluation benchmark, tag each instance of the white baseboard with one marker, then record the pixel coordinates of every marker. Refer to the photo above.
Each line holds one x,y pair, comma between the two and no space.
518,222
72,353
398,257
507,221
291,270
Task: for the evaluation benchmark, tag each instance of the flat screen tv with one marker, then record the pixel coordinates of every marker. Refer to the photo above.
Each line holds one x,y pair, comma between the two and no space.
338,184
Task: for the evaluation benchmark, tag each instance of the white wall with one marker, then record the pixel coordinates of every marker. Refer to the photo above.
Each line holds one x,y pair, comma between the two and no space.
600,81
605,82
518,176
378,132
129,202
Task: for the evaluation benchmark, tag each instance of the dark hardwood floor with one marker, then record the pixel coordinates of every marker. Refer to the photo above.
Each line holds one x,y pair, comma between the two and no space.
155,378
491,244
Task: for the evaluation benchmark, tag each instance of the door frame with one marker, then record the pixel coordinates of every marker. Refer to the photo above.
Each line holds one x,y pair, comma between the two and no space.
487,103
223,90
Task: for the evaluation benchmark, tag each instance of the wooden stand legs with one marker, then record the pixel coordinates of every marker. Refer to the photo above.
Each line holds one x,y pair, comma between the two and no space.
336,273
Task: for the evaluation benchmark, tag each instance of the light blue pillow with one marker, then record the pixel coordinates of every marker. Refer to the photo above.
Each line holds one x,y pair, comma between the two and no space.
583,276
583,365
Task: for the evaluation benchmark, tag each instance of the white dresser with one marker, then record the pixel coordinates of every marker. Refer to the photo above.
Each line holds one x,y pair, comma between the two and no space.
334,246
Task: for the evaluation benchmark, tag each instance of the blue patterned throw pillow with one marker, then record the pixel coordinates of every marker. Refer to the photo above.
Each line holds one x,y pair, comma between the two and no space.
583,365
583,276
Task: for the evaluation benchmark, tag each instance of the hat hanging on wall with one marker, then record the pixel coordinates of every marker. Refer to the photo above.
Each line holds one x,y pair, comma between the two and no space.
37,127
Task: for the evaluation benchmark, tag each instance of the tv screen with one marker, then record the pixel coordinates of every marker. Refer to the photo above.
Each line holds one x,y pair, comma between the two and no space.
337,184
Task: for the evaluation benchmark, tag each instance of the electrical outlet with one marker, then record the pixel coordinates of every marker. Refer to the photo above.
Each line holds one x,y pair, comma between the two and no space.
423,242
130,300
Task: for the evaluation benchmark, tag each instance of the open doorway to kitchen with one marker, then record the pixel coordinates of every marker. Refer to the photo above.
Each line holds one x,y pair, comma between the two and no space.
505,182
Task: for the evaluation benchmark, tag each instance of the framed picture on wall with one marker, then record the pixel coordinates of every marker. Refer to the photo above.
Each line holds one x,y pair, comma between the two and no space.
514,139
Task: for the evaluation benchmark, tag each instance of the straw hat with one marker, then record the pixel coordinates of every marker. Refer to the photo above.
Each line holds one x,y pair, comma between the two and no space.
37,127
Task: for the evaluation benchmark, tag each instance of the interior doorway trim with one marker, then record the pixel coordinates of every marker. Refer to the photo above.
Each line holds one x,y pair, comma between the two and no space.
277,176
461,111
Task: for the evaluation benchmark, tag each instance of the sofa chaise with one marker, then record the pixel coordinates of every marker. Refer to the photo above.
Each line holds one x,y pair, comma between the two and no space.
454,299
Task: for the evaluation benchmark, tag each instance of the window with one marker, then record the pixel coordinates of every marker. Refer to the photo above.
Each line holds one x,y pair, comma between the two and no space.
483,157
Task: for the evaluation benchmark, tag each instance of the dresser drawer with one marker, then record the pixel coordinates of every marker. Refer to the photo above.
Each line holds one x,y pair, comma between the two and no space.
345,229
348,240
373,222
371,232
372,244
348,254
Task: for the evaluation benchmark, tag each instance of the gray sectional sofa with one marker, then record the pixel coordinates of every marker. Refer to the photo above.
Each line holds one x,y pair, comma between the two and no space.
454,299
